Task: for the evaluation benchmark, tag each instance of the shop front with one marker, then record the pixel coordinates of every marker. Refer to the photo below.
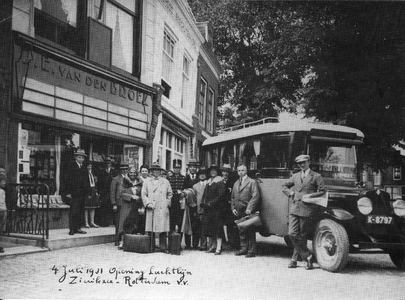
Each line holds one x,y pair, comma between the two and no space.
62,103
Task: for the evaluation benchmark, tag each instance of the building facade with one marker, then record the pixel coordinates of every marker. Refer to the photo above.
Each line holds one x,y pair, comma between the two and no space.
117,78
176,58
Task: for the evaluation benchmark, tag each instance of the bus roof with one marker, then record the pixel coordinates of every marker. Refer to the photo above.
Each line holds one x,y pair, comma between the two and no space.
293,125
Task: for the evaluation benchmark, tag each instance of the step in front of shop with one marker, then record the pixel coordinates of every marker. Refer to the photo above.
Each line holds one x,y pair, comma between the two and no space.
60,238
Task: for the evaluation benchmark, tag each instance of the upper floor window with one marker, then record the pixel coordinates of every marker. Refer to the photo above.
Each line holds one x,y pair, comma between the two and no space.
56,20
168,56
121,16
201,100
210,104
186,79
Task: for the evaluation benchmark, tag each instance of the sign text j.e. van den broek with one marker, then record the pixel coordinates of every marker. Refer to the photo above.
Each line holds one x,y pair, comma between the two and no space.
126,276
75,76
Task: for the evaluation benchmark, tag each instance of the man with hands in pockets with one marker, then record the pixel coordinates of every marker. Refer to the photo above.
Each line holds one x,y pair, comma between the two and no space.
244,199
300,184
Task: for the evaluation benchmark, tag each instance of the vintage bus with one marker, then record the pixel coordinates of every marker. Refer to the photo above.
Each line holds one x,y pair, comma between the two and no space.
356,218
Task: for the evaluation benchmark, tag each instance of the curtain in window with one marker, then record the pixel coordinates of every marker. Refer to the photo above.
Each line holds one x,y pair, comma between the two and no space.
256,147
242,147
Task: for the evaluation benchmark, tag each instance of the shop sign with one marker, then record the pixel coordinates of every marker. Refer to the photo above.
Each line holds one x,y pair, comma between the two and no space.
94,84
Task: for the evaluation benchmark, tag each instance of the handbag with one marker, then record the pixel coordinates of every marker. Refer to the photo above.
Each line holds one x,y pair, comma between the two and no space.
249,221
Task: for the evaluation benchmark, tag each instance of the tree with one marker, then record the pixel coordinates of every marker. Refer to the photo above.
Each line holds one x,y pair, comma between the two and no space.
342,62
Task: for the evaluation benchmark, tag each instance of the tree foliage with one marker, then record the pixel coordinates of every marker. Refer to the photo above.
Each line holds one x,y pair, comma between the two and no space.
338,61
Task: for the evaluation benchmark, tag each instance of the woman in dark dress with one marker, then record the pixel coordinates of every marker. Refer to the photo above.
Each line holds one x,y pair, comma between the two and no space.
92,199
213,201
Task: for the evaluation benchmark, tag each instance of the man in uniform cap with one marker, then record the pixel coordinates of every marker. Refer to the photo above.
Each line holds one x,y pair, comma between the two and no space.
177,184
76,191
300,184
116,188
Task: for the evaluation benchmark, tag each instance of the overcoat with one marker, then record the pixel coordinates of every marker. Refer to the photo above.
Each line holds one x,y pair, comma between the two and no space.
312,184
129,208
213,201
158,193
190,202
117,186
246,196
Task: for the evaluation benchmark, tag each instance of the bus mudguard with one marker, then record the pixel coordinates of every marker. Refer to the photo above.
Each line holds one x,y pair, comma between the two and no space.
339,214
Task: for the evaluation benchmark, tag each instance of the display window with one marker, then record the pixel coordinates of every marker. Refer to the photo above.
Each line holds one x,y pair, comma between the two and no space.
45,154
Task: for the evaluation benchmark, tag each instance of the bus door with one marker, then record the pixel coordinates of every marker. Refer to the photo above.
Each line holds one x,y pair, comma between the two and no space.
275,206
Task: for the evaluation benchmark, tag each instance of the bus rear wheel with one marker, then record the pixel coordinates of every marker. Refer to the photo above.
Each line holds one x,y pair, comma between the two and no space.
331,245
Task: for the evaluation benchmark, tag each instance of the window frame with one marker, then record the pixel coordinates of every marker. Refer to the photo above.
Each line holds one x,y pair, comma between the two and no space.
210,109
202,98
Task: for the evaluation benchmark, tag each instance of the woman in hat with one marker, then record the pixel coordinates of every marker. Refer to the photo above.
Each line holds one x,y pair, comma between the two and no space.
92,200
212,202
132,210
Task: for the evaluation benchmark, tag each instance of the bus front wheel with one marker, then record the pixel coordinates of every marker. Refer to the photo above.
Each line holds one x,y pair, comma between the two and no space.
331,245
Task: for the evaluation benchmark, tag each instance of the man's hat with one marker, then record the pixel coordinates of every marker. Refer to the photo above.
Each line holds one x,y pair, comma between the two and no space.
214,167
177,165
123,167
193,162
202,170
80,152
226,167
302,158
155,166
107,160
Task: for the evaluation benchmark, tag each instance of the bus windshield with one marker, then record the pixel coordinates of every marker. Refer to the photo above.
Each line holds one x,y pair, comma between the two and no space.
335,162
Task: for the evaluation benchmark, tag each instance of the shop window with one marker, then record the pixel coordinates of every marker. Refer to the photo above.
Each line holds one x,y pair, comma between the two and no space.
56,21
45,154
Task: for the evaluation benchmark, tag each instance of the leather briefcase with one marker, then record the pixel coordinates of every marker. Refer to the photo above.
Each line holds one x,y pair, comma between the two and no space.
249,221
138,243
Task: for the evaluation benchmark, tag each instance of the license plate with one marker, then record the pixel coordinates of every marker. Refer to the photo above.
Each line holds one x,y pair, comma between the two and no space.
379,220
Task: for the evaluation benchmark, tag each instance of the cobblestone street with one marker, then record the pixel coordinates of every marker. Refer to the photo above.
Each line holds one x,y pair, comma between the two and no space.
103,272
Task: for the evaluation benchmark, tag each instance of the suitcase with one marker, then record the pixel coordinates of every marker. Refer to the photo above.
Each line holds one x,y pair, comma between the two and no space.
138,243
174,243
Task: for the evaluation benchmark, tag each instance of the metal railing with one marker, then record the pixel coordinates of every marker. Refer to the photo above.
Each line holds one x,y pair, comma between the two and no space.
249,124
28,209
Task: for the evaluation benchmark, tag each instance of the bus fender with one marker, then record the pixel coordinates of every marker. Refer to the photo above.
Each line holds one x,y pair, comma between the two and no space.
339,214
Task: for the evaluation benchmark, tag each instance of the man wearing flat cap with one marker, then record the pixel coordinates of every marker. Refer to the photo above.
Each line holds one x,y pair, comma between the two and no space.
116,189
305,182
76,179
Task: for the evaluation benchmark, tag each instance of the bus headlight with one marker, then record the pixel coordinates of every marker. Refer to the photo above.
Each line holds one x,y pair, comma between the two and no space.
364,205
399,208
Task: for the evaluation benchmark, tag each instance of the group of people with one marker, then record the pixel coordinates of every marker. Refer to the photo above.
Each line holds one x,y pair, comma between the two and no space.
202,206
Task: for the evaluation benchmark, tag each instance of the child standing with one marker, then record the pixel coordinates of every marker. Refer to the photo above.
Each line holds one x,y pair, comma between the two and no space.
3,207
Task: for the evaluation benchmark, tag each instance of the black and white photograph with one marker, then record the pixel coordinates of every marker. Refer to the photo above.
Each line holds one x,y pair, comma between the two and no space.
202,149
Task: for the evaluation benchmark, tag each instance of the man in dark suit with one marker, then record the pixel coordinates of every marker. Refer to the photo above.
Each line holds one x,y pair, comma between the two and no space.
228,217
105,176
76,192
300,184
191,178
245,199
116,188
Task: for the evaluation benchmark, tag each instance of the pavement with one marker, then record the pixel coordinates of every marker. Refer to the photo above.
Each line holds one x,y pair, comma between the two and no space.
103,272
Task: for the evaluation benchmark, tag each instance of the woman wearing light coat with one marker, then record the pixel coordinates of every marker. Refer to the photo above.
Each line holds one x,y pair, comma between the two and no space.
156,197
